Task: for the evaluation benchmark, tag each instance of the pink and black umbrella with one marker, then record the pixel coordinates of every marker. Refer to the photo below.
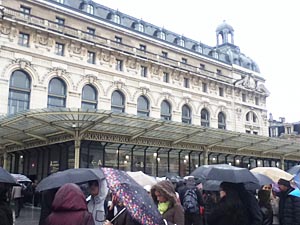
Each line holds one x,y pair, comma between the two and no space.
134,197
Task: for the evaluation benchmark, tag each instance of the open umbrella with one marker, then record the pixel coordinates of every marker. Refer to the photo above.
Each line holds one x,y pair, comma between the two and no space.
262,179
227,173
200,172
77,176
273,172
20,177
294,170
137,201
142,178
6,177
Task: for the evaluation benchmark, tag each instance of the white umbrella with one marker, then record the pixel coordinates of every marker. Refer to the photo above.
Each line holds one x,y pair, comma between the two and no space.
142,178
273,172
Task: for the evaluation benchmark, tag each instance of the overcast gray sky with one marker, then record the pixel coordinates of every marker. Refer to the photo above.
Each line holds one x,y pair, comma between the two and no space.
266,31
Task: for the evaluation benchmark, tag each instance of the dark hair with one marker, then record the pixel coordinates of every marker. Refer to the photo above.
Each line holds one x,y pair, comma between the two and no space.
91,182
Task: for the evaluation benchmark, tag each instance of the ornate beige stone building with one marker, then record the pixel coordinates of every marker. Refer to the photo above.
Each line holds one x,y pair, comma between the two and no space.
79,54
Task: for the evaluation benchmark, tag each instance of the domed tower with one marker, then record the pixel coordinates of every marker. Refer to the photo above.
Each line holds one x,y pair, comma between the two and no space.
225,31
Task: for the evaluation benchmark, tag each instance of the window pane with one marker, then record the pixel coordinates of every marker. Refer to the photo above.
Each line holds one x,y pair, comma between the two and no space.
117,102
165,111
89,93
20,79
54,102
142,106
87,105
204,118
57,87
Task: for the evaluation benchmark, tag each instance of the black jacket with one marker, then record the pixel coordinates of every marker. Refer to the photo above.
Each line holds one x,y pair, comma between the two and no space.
122,219
267,215
289,209
5,214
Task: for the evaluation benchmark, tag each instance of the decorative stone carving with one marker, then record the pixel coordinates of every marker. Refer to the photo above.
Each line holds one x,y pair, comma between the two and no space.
247,82
238,113
23,63
262,89
59,71
5,30
119,84
144,90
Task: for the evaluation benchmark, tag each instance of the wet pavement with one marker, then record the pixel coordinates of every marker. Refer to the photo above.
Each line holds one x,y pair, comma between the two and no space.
28,216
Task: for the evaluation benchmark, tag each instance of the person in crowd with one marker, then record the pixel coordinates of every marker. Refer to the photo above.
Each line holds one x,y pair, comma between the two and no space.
289,206
163,194
230,210
250,202
265,206
47,198
274,201
211,199
16,197
191,200
6,216
118,214
97,201
69,207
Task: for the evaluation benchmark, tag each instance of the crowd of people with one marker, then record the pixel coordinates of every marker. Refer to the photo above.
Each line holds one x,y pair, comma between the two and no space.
182,202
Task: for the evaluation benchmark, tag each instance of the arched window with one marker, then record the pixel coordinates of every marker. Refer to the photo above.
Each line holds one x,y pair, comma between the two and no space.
186,114
181,42
221,121
204,118
117,102
143,106
90,9
19,92
56,93
165,110
89,97
254,117
248,117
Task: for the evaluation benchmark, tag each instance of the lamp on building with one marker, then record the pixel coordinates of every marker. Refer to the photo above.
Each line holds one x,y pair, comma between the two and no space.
158,160
154,155
127,157
258,162
230,164
186,157
237,161
125,162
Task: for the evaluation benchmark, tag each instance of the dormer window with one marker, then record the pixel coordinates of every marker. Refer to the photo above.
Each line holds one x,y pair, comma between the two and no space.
140,27
162,35
198,48
90,9
216,55
181,42
117,19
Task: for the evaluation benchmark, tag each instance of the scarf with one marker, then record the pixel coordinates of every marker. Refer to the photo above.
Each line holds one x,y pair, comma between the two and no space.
163,207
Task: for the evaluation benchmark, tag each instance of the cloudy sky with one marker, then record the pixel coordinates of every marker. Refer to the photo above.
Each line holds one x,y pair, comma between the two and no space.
266,31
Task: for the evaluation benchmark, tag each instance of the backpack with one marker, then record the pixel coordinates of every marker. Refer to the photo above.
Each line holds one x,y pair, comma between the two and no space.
190,201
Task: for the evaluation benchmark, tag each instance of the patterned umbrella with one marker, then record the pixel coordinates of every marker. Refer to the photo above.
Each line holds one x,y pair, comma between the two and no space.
137,201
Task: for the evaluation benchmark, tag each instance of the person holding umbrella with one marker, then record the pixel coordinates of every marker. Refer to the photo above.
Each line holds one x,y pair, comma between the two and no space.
69,207
122,216
163,194
230,210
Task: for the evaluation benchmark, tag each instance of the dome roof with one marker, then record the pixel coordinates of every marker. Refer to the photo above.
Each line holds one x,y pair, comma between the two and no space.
224,26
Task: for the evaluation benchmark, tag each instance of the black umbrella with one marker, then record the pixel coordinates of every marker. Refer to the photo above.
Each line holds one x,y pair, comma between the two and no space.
227,173
263,179
201,171
77,176
211,185
6,177
294,170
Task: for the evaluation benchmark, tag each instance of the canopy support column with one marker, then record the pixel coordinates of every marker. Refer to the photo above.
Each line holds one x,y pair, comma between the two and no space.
205,156
5,163
282,162
77,142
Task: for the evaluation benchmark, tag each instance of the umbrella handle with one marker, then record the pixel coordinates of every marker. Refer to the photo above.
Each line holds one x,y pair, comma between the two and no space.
117,215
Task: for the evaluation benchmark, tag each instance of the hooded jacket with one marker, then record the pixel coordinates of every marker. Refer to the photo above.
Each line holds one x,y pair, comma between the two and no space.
96,204
174,213
69,207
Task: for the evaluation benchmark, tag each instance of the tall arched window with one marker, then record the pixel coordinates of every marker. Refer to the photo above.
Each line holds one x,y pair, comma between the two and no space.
57,93
221,121
117,19
117,102
140,27
204,118
165,110
90,9
143,106
186,114
89,97
19,92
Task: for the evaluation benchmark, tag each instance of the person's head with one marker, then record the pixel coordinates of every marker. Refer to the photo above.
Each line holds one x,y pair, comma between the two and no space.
283,184
264,197
94,187
163,191
267,187
228,189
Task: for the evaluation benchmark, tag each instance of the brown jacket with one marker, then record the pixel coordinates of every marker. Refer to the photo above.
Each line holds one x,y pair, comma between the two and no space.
175,213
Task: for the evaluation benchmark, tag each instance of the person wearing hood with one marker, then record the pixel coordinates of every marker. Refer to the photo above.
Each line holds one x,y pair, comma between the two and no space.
98,191
69,207
164,196
5,210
